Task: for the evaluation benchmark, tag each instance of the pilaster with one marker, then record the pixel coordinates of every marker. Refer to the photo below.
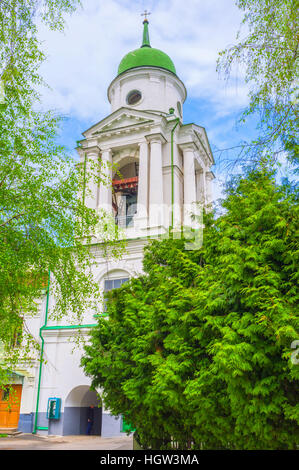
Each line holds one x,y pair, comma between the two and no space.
143,186
209,176
156,200
189,183
105,193
91,162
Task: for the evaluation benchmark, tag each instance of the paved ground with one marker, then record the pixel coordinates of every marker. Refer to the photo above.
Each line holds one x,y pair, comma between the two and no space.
34,442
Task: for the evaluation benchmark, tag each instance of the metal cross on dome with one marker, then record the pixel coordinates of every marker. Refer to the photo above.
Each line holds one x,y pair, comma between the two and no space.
145,14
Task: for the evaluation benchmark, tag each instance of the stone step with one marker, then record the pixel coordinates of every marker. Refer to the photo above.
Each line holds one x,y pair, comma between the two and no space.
9,431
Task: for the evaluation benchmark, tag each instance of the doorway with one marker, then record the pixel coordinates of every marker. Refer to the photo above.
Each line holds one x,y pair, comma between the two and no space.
76,412
10,402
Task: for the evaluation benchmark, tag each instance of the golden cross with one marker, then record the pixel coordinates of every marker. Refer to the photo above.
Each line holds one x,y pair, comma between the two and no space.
145,14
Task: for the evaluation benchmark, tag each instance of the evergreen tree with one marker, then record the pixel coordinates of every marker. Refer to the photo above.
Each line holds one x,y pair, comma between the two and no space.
198,349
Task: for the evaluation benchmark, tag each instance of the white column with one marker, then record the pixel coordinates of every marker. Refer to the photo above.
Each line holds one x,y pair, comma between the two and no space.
105,194
209,193
91,162
200,185
142,196
189,185
156,200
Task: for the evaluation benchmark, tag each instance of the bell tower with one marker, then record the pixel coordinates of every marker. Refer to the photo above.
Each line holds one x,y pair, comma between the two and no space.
159,166
158,169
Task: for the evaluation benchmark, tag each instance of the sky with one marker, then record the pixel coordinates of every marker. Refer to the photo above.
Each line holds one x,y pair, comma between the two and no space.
82,62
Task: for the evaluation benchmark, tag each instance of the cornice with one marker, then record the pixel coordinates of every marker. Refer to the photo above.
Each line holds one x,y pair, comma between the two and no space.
156,137
167,169
210,175
115,129
132,73
189,145
65,332
116,115
123,131
189,131
209,157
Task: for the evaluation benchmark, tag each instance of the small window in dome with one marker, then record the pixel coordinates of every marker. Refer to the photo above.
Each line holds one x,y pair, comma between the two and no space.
134,97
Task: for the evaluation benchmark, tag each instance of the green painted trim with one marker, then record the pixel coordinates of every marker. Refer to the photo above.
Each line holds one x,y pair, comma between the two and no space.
46,328
100,315
126,427
145,38
67,327
41,356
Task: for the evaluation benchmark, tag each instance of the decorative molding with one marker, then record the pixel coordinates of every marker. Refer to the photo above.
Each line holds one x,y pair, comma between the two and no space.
145,72
89,150
210,175
167,170
156,137
117,116
188,146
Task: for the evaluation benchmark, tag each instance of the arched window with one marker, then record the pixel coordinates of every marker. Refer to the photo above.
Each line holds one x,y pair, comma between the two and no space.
114,281
110,284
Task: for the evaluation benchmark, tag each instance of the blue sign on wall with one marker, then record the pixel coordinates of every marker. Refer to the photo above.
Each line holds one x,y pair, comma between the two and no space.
53,410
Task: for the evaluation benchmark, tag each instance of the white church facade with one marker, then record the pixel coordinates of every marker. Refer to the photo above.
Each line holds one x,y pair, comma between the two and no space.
163,172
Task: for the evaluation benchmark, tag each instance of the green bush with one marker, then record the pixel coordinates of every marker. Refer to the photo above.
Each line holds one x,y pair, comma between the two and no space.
198,349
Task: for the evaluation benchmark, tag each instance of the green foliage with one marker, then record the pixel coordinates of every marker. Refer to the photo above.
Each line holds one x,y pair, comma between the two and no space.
197,350
43,223
268,51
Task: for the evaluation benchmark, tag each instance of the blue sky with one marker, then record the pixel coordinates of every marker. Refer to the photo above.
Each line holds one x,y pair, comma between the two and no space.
82,61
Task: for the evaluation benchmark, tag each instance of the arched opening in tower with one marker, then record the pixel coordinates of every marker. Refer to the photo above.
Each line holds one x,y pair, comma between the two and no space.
124,195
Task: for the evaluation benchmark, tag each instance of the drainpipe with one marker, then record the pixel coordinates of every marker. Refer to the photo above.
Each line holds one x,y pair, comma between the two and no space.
177,120
41,361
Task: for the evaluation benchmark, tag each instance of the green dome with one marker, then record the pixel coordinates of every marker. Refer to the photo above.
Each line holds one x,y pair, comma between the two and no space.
146,56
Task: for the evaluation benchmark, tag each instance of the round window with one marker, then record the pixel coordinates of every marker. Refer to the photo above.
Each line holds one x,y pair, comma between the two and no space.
134,97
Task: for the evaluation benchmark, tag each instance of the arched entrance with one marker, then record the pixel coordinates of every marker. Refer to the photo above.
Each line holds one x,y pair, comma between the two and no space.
76,411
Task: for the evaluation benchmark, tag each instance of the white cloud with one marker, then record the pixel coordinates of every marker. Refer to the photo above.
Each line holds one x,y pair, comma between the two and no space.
83,61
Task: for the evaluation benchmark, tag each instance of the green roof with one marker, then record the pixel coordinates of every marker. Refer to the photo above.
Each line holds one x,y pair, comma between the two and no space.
146,56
